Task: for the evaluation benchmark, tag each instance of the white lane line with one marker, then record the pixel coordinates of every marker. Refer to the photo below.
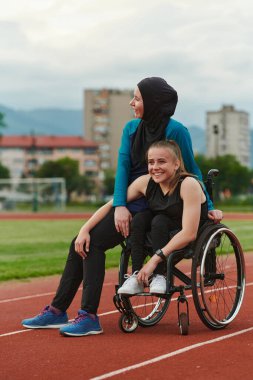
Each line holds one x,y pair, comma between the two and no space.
26,297
15,332
52,293
70,320
136,307
39,295
103,314
169,355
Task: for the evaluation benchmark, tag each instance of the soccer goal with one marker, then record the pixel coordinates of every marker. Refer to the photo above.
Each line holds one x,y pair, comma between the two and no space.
32,193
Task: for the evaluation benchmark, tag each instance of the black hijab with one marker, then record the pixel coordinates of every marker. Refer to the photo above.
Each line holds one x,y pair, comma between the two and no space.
159,100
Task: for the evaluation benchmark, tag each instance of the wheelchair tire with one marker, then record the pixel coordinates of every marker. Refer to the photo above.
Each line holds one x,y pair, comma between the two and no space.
183,324
128,323
218,276
148,308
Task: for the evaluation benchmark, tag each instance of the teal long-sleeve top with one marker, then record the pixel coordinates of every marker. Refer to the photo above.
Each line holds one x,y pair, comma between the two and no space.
174,131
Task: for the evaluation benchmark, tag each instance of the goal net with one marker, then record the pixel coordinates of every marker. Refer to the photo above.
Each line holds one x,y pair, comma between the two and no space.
32,193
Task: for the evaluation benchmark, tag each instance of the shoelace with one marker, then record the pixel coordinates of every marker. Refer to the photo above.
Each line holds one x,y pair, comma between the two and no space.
79,318
44,311
130,276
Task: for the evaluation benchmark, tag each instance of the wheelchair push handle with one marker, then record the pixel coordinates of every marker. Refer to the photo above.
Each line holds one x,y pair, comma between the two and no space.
212,173
209,181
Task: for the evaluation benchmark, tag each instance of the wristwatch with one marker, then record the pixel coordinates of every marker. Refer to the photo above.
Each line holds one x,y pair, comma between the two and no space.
160,253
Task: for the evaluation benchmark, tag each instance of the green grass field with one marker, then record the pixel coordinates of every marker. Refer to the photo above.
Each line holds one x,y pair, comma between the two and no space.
39,248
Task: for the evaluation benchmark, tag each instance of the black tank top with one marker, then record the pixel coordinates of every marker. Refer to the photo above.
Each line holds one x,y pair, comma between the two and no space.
170,205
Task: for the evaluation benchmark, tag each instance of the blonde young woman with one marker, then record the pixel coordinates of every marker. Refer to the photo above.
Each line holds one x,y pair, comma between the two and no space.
176,201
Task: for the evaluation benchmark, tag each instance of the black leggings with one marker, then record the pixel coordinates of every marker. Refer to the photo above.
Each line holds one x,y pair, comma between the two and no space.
90,270
160,227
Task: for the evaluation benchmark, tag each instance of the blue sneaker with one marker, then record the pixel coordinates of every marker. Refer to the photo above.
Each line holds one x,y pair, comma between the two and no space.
47,319
83,324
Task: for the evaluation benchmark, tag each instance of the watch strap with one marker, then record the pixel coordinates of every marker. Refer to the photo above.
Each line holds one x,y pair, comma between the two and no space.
160,253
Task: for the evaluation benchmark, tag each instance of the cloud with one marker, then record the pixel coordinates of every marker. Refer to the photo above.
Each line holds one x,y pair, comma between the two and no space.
53,49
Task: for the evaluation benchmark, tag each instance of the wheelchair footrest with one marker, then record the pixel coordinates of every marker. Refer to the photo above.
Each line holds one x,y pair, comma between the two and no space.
122,305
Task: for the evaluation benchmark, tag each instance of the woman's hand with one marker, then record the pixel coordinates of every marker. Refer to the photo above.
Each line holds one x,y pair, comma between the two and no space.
215,215
82,243
148,269
122,218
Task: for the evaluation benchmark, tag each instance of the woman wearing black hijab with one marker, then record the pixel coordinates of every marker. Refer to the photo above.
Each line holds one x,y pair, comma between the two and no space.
154,103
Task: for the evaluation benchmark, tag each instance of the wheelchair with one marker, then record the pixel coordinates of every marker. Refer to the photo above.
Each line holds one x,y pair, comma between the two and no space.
216,280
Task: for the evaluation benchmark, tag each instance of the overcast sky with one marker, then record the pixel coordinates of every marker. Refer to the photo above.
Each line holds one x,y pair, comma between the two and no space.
53,49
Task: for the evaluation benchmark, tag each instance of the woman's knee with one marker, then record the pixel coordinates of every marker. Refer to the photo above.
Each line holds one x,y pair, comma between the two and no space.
136,222
160,221
72,245
141,220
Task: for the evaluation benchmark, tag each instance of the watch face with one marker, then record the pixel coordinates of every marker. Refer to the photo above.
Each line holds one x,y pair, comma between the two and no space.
160,253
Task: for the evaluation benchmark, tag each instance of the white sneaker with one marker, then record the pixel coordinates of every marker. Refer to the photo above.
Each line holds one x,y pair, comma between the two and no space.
131,285
158,284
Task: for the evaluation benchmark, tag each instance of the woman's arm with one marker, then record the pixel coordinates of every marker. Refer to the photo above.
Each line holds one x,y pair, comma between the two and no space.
123,169
183,138
122,216
191,193
136,190
82,242
98,216
192,196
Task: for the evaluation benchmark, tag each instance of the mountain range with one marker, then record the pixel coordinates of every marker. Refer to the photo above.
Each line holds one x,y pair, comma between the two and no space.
55,121
52,121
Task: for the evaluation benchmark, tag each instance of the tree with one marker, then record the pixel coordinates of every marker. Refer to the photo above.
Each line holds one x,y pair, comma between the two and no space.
108,182
2,122
4,172
65,168
84,185
233,175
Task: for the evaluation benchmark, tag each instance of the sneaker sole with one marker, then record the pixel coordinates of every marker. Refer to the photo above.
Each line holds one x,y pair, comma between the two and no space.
46,326
88,333
157,291
130,294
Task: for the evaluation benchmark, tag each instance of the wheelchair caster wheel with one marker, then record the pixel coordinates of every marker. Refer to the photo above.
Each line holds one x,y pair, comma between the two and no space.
183,324
128,323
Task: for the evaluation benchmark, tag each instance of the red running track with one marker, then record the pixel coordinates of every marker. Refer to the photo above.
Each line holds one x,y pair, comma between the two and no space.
158,352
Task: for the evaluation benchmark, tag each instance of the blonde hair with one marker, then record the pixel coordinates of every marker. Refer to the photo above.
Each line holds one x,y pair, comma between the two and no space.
174,149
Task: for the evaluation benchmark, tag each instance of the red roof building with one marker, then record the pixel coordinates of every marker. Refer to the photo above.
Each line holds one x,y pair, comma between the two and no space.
22,154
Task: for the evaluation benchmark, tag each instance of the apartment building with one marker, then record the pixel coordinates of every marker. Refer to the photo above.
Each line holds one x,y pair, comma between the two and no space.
106,113
23,154
228,132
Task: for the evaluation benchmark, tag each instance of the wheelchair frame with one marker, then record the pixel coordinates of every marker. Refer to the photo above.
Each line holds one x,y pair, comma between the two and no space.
217,281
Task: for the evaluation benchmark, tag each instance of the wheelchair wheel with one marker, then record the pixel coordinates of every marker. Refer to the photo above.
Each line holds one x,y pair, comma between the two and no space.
218,276
148,308
128,323
183,324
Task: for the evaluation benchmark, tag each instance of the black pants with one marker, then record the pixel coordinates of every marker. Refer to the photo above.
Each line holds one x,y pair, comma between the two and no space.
160,227
90,270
